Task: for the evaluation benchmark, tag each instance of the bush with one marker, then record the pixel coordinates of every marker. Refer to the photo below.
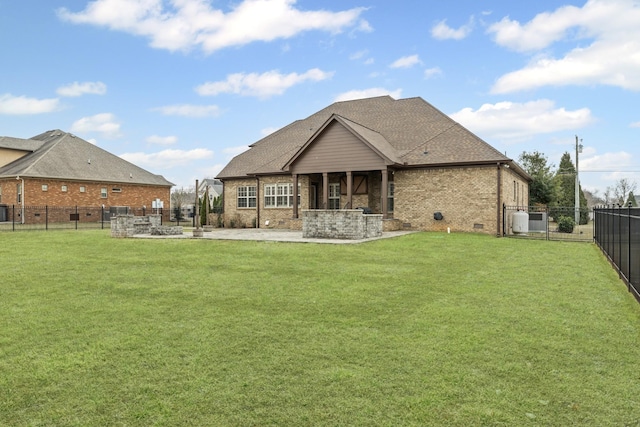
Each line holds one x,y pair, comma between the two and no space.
566,224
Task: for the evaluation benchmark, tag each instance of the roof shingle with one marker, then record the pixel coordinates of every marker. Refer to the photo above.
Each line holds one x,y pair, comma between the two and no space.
61,155
404,130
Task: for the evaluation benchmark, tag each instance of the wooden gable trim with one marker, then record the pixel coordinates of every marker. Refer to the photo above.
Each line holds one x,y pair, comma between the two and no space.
333,119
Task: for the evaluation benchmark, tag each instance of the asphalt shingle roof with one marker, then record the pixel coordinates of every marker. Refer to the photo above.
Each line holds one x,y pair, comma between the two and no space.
410,132
60,155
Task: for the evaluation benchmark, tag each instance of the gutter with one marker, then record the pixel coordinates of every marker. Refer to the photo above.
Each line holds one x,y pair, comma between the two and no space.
257,202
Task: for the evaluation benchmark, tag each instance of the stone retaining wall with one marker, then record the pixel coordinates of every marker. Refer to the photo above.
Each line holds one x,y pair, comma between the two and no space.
129,225
340,224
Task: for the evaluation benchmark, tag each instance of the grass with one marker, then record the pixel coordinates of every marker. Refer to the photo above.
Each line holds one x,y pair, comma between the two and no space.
427,329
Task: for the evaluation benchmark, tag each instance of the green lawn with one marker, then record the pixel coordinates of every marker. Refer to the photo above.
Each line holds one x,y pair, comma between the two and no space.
426,329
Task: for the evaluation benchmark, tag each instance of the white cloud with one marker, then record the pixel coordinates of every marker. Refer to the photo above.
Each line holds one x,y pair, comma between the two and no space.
432,72
78,89
104,123
167,159
234,151
261,85
186,24
406,62
610,25
367,93
186,110
267,131
19,105
606,162
635,125
442,31
359,55
162,140
520,121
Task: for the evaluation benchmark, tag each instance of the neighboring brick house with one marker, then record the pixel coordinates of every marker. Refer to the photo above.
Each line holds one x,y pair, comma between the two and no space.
401,158
57,169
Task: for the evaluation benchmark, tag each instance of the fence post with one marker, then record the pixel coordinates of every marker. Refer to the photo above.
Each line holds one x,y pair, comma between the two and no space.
546,209
46,217
13,217
629,248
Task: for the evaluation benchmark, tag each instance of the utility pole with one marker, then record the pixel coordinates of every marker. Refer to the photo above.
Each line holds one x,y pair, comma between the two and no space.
577,192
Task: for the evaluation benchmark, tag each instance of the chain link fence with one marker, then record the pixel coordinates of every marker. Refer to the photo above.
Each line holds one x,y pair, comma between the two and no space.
548,223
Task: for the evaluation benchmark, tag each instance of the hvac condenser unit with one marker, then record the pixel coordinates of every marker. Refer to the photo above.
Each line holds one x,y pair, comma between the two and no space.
538,222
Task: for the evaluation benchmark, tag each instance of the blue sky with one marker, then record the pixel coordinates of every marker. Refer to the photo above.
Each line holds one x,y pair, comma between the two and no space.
179,87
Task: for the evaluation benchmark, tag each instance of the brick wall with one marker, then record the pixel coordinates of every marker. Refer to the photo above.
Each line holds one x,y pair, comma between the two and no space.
466,197
53,195
239,216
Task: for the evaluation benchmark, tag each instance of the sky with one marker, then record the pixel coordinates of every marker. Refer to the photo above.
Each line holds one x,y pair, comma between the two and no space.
179,87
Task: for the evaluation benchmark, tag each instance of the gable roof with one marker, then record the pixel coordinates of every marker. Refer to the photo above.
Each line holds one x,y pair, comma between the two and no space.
60,155
408,132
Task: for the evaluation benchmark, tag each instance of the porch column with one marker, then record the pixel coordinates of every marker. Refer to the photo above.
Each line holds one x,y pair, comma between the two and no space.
325,190
295,195
350,190
383,191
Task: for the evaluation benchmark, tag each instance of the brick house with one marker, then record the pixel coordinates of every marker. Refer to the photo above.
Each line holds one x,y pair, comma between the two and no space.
401,158
58,169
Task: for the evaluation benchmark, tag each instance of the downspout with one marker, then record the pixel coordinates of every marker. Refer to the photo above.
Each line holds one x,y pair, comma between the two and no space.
498,204
257,202
23,195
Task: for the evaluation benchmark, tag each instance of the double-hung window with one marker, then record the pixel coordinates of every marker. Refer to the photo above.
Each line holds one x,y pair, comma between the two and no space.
270,196
390,192
279,195
334,196
247,196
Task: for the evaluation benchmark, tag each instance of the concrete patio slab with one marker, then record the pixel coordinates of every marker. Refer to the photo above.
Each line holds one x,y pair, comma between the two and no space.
260,234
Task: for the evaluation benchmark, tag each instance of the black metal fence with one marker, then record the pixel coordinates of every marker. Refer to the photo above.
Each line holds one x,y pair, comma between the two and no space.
617,233
548,223
18,217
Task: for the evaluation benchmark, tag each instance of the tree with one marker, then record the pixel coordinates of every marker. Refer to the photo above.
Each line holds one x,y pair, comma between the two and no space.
565,184
541,191
593,198
632,200
204,203
622,190
181,197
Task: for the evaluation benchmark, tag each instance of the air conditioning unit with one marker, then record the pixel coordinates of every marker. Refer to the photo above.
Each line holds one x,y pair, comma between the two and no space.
538,222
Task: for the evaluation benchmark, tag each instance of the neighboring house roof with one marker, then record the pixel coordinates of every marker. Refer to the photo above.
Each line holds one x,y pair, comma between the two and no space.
215,187
19,144
406,132
60,155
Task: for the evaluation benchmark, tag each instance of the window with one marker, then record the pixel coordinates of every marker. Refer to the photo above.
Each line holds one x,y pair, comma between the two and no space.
0,194
279,195
103,192
45,187
391,188
334,196
247,196
19,193
270,196
64,188
116,190
83,189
